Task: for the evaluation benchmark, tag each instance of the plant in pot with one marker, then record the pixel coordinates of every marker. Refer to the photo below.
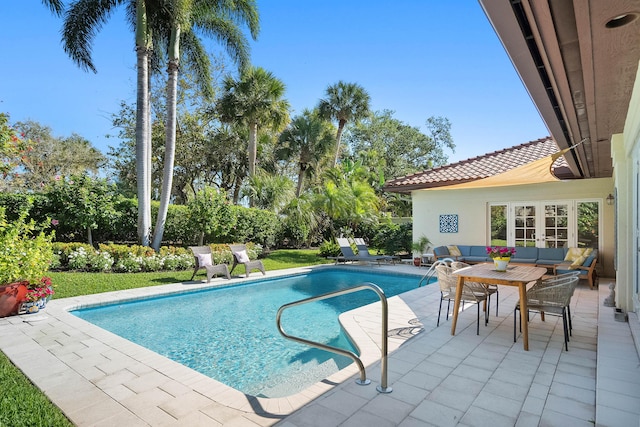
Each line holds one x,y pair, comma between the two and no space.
25,255
419,247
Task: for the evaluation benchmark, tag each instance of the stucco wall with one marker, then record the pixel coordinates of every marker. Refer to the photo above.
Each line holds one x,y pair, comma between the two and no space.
471,206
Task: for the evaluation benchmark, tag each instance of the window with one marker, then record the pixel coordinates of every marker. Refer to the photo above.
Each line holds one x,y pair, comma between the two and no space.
588,224
498,225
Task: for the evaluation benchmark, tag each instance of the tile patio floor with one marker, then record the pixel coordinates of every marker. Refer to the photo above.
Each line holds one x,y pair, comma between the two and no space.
99,379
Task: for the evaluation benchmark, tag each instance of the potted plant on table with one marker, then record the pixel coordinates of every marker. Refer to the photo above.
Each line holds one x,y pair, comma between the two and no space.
419,247
501,256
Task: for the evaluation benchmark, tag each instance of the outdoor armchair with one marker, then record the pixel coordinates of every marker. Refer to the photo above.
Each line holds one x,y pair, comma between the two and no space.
203,259
240,256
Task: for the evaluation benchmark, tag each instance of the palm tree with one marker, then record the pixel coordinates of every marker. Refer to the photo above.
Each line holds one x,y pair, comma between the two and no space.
82,20
255,99
344,102
309,138
56,6
215,19
269,192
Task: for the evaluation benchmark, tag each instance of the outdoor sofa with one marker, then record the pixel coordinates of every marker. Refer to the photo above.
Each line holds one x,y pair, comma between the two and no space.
551,258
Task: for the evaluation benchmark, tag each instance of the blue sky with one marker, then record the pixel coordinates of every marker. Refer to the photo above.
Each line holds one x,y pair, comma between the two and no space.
417,58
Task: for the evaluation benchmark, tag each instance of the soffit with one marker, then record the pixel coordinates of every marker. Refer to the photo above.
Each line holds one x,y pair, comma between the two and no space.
579,73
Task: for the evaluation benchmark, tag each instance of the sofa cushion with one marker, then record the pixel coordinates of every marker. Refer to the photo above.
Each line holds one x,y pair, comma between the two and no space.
593,255
478,251
441,251
525,255
550,256
473,259
566,268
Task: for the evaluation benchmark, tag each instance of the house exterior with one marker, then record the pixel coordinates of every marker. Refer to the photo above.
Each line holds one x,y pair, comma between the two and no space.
580,67
456,204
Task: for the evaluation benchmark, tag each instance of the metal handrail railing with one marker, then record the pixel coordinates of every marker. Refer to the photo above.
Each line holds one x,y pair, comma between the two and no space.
432,270
382,388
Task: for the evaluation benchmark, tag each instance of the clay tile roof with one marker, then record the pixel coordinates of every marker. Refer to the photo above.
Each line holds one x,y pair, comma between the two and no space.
480,167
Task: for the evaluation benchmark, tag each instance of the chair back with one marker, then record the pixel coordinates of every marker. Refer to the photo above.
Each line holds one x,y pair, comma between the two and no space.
235,248
345,247
199,250
457,265
363,249
555,292
446,280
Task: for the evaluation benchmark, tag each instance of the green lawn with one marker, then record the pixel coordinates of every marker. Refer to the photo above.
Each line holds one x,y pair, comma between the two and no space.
23,404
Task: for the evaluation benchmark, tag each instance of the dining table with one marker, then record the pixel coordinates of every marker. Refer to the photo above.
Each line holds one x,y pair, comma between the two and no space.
486,273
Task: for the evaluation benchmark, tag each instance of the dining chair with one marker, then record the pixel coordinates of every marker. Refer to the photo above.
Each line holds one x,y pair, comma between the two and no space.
550,296
471,292
491,289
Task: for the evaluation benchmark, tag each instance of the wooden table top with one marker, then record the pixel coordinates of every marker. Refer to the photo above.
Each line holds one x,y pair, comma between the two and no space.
514,273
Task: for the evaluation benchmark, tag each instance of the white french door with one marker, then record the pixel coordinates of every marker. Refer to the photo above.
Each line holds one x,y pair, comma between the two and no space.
541,224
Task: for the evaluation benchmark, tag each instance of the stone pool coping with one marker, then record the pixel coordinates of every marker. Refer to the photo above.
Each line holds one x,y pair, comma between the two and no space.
98,378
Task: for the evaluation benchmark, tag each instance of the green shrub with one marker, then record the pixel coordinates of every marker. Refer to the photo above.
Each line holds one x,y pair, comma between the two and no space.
329,248
395,239
25,250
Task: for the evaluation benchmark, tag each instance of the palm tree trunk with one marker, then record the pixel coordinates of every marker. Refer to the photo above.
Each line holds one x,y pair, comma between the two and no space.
170,137
142,125
341,124
300,178
253,147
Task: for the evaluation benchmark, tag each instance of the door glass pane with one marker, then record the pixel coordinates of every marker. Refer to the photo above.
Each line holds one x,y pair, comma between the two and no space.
556,222
499,225
525,225
588,224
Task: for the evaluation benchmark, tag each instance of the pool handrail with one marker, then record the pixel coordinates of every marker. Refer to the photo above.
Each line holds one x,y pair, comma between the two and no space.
383,387
432,270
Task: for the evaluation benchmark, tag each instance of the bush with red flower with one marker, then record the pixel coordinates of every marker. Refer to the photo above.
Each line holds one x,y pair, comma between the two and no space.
43,289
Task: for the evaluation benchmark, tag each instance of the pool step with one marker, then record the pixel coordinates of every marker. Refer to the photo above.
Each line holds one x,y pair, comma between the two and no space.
303,380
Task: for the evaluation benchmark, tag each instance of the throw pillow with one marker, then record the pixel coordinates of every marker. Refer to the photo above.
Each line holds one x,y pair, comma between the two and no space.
242,256
573,254
581,259
454,251
204,259
577,262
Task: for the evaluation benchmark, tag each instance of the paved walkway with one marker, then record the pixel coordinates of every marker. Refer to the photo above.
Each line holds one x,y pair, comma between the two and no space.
99,379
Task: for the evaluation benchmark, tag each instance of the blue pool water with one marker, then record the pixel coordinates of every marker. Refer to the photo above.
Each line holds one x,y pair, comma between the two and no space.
230,333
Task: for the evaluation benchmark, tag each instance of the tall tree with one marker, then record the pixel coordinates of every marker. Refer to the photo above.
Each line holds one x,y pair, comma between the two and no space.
51,156
344,102
83,19
255,100
215,19
403,149
308,138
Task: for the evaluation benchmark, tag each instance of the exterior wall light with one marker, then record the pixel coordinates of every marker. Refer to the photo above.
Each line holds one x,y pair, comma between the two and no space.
610,199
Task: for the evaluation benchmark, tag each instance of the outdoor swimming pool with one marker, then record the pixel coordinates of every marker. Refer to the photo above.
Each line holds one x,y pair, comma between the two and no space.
230,334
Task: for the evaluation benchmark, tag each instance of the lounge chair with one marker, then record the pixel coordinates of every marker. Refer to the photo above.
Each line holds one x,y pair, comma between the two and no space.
363,250
240,256
349,255
202,255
